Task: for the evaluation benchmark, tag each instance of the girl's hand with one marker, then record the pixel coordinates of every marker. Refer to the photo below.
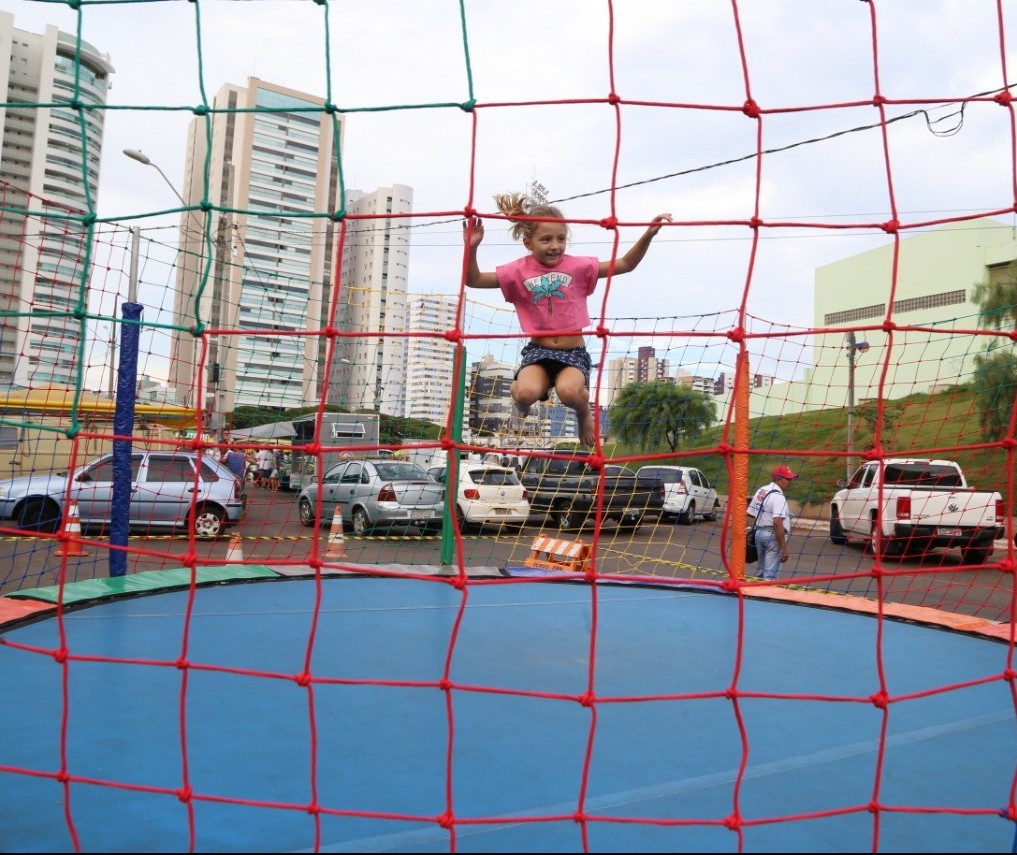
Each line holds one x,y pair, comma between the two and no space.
473,230
655,225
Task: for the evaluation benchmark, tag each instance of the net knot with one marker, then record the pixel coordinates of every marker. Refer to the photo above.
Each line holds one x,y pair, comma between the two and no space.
751,109
596,461
184,794
330,108
331,331
459,582
586,699
447,443
891,227
205,206
614,99
181,663
755,222
89,218
198,330
201,109
737,334
879,700
445,684
1005,98
454,336
303,679
74,4
1006,565
339,215
60,656
467,106
733,822
609,223
602,331
445,820
1008,442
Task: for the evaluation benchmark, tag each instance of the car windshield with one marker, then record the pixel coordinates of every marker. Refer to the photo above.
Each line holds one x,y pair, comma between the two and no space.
396,471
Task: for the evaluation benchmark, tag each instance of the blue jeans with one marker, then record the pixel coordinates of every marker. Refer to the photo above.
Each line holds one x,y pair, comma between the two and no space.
769,553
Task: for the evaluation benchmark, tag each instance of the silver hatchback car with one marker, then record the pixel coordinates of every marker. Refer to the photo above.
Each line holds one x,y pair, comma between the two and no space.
163,488
372,493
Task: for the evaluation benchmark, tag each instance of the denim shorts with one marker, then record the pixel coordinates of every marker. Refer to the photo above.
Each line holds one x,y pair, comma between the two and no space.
553,361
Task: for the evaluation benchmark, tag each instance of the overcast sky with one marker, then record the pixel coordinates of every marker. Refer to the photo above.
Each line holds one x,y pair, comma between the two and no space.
687,148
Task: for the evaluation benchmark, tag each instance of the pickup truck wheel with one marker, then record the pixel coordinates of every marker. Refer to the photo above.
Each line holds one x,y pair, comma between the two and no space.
837,535
888,548
976,554
689,515
566,518
630,523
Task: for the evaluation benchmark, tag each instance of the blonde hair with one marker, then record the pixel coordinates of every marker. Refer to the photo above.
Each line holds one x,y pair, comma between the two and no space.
514,205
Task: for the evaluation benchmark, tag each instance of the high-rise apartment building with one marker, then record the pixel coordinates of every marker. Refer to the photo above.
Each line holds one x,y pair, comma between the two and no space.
430,361
272,175
644,368
369,363
43,161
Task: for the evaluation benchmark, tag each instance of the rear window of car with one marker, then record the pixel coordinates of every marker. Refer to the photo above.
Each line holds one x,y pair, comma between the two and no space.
667,476
401,472
922,475
493,477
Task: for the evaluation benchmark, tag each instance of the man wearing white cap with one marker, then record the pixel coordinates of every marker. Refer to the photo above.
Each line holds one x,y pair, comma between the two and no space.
772,516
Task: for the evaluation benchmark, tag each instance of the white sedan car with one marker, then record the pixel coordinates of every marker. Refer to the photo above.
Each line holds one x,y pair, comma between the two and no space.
487,495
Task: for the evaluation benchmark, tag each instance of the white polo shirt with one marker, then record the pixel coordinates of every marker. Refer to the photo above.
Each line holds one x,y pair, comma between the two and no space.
765,507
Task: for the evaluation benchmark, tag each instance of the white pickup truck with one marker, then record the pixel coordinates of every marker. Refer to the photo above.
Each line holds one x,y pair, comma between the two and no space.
908,506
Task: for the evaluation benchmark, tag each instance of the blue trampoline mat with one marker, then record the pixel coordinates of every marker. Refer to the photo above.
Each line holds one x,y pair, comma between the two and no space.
663,771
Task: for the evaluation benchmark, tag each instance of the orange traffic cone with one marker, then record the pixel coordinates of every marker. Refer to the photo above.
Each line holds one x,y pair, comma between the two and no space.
336,542
235,551
71,529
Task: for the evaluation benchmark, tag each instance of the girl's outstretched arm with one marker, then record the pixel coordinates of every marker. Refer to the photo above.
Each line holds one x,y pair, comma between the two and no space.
630,261
473,234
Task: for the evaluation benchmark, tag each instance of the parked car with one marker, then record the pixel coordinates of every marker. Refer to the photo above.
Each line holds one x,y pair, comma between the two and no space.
162,490
487,495
688,493
374,492
567,489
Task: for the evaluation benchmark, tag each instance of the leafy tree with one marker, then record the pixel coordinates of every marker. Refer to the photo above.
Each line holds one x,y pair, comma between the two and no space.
995,385
995,374
660,412
868,412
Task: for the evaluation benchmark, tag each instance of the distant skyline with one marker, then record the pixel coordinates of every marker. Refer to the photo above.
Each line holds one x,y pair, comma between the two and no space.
824,178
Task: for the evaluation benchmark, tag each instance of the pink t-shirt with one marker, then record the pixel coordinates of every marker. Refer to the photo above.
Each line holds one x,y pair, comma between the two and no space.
550,299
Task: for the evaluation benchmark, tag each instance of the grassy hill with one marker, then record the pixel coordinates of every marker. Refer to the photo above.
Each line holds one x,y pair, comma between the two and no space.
944,425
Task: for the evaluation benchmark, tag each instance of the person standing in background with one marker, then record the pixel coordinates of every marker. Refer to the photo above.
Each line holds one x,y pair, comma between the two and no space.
772,515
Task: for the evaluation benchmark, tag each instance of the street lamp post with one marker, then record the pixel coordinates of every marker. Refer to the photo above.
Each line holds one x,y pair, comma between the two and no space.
221,246
853,348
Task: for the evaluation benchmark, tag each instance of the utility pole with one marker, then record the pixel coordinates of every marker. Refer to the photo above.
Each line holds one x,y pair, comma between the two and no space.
850,337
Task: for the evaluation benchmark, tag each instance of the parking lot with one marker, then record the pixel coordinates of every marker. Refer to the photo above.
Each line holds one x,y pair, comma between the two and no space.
272,535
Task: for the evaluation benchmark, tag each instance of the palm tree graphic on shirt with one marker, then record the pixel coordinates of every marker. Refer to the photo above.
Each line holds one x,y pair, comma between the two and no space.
548,286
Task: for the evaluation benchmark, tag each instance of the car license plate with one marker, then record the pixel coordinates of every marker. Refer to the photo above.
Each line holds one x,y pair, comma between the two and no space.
420,515
948,532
